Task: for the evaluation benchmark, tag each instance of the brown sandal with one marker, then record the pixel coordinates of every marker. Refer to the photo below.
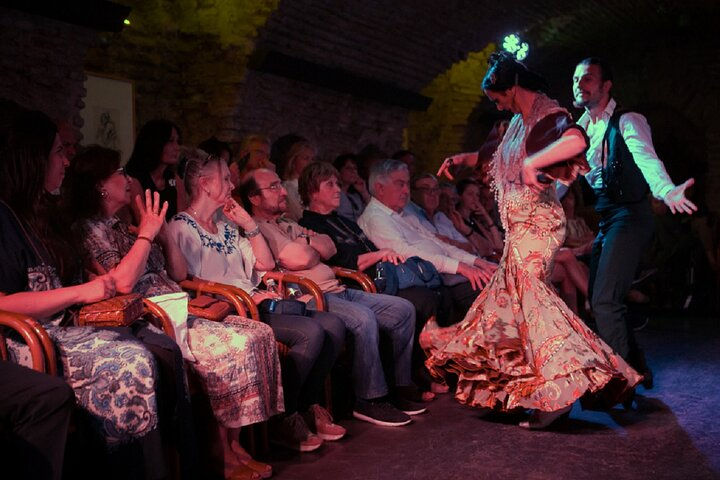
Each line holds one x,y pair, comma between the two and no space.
243,472
262,469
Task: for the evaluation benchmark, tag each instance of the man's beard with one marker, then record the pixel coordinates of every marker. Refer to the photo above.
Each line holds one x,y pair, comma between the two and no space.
580,103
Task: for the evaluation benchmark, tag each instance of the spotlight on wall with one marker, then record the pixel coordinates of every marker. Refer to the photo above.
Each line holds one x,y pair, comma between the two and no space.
514,44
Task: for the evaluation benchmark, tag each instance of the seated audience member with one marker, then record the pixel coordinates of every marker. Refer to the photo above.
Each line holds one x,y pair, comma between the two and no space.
385,222
280,147
486,234
38,278
301,251
571,275
217,148
408,158
579,236
425,194
319,190
367,157
254,153
69,138
152,166
298,155
35,411
353,189
215,251
236,360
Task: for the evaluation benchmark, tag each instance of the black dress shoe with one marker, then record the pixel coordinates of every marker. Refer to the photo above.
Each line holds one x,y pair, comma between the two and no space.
628,399
648,380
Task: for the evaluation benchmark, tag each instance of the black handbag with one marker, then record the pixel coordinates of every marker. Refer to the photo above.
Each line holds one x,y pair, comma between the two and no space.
283,306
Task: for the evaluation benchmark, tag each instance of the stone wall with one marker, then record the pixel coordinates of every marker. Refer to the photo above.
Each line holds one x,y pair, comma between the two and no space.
189,62
41,63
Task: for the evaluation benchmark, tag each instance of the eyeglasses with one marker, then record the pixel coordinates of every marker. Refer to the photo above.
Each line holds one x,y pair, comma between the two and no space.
121,171
274,187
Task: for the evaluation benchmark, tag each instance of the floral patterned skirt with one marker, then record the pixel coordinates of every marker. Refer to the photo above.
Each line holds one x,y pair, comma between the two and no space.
520,346
239,367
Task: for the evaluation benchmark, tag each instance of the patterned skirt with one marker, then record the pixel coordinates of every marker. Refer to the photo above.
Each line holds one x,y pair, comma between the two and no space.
239,367
112,374
520,346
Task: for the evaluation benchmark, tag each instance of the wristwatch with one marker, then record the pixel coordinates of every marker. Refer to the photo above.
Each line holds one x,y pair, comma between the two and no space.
252,233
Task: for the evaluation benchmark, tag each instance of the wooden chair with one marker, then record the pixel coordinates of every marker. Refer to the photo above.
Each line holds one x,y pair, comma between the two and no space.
42,352
357,277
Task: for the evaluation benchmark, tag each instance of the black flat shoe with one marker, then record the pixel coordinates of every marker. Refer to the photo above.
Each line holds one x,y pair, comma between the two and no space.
540,420
648,380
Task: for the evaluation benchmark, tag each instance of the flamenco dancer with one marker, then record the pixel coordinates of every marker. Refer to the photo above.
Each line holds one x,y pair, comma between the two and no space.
520,346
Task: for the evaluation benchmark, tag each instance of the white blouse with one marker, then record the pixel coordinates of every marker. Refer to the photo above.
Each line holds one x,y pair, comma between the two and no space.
223,257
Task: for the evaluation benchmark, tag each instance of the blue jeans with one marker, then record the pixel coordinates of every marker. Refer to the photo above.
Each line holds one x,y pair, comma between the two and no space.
625,231
315,342
365,314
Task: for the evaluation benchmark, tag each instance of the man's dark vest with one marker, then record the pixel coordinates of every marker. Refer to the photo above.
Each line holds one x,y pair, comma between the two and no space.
622,180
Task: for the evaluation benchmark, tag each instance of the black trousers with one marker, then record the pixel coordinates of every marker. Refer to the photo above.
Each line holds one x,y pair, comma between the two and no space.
426,302
625,231
455,302
35,412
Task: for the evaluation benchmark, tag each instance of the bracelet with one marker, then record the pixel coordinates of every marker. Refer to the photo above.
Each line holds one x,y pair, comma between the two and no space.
143,237
252,233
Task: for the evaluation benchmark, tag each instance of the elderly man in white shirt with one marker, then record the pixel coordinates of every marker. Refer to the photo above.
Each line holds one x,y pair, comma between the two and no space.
624,170
388,226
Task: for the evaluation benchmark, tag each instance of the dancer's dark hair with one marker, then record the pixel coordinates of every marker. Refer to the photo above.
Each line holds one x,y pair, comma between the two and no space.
505,72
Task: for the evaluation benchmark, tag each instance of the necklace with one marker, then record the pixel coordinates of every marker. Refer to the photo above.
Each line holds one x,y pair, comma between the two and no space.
207,225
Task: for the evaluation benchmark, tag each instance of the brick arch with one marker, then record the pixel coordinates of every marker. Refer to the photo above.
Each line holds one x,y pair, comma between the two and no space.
441,130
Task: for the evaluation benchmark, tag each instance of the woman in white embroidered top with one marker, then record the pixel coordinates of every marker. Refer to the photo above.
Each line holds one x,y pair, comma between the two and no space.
215,251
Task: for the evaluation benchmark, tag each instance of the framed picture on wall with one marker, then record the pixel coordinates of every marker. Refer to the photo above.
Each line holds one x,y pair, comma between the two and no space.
109,113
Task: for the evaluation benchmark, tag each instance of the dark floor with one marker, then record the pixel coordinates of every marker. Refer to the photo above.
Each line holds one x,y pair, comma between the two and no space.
674,433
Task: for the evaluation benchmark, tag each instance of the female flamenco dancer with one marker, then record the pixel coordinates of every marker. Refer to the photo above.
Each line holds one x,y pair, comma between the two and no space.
520,346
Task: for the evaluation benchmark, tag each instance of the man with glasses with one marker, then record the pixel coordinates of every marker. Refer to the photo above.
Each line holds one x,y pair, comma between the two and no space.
302,252
425,202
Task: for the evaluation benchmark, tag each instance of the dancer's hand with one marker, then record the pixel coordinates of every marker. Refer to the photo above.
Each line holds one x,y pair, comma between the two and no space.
677,201
464,159
530,178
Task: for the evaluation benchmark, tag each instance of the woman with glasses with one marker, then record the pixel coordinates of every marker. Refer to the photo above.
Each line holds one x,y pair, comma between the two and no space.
236,359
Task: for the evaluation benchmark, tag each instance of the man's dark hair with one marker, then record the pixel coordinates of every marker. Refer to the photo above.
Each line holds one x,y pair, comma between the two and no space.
606,72
248,188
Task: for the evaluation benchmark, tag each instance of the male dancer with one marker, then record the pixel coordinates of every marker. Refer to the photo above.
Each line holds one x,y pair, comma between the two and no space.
624,169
